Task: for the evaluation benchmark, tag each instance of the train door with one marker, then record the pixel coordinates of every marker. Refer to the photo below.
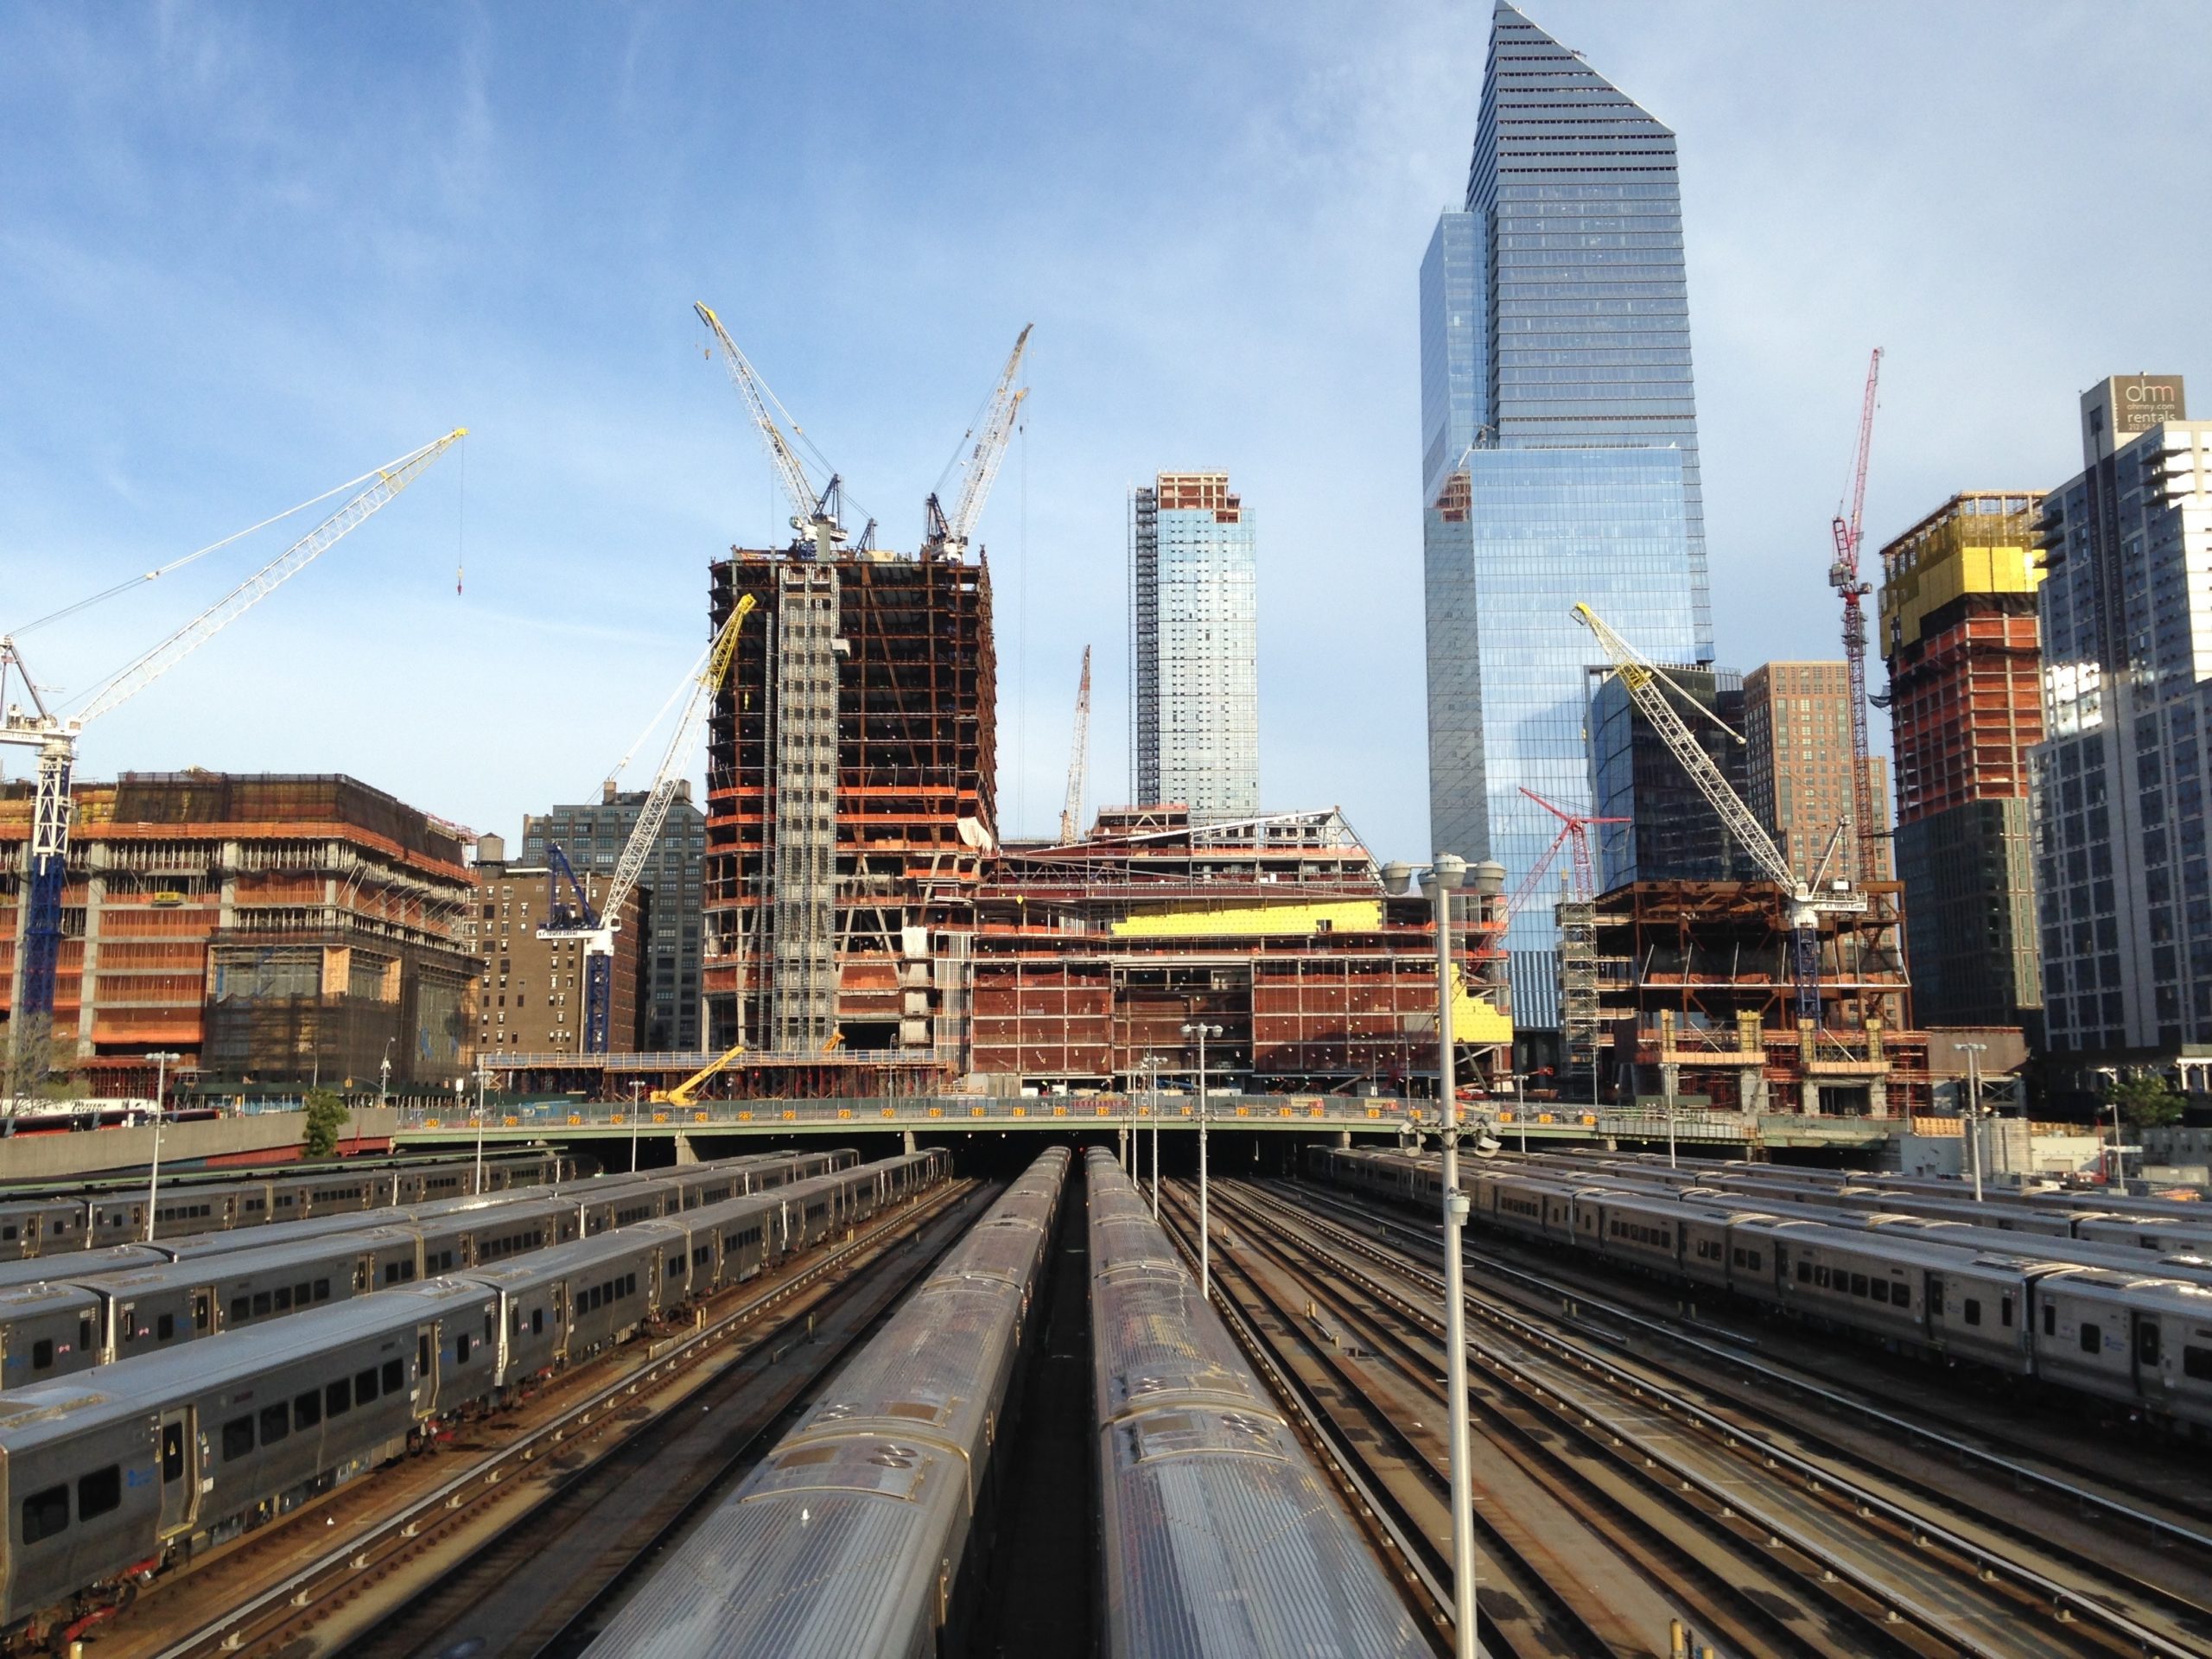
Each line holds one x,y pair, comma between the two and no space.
2146,1351
561,1317
427,1338
180,1466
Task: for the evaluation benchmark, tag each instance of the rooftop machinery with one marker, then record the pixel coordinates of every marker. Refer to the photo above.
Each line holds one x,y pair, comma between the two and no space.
1808,901
573,915
54,736
1844,577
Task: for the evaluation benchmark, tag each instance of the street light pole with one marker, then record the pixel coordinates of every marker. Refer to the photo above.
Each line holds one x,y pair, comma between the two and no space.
1973,1108
1205,1256
154,1176
479,1125
1443,878
1151,1096
637,1088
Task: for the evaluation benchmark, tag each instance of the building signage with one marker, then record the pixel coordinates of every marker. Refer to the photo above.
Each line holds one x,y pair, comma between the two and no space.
2143,401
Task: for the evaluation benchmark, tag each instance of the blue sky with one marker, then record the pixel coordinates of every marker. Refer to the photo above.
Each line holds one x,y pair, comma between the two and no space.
248,252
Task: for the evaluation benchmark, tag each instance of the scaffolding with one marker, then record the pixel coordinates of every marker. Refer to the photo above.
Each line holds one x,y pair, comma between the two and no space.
802,988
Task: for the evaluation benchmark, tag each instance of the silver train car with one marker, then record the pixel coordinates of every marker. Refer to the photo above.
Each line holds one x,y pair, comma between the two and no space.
106,1479
853,1539
36,1227
1218,1538
149,1296
2139,1337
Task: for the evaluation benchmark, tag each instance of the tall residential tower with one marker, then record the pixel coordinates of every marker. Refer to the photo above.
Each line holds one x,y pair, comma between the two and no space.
1559,460
1194,714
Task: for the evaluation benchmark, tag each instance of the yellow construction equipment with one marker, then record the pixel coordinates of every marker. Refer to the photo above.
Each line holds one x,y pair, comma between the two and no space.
682,1094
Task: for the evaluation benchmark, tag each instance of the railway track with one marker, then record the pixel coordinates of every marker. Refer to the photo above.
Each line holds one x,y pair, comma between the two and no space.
309,1594
1870,1565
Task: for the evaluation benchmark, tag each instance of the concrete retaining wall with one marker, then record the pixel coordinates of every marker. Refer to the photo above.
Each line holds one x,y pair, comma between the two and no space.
60,1157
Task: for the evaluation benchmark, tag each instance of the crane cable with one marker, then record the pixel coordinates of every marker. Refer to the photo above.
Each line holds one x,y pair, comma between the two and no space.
178,564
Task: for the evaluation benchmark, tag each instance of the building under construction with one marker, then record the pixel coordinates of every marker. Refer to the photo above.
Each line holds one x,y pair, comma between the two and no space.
850,806
1698,1002
263,929
1090,960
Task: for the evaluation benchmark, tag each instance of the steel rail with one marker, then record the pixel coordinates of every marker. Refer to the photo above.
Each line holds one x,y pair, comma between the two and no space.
2071,1605
2159,1527
229,1630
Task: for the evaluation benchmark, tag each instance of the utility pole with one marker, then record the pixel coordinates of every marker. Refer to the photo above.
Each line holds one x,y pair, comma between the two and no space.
480,1075
154,1176
637,1088
1205,1256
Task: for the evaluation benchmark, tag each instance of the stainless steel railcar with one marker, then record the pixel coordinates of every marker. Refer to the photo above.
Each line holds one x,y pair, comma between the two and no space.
106,1477
1218,1536
849,1540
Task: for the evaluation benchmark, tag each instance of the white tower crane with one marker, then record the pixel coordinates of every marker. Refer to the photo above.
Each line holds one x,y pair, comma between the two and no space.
945,536
813,516
54,736
575,917
1079,762
1808,901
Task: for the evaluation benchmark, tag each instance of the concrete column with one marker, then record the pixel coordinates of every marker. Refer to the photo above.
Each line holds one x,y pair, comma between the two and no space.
1750,1088
1344,1139
1123,1136
1670,1079
685,1152
1877,1098
909,1135
1808,1097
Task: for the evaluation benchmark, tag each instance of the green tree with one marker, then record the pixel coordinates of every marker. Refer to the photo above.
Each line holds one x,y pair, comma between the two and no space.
326,1119
2146,1102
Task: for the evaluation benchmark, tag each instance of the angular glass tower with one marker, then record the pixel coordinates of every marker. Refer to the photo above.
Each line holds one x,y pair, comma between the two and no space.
1559,463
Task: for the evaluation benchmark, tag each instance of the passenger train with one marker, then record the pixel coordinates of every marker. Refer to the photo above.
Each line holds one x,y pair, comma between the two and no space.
52,1226
2142,1338
106,1479
859,1535
63,1314
1211,1517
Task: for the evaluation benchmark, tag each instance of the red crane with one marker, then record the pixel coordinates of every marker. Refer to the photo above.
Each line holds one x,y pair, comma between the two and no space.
1574,834
1844,577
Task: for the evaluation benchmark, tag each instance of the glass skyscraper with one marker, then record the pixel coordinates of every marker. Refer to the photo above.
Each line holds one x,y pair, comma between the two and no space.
1559,436
1194,649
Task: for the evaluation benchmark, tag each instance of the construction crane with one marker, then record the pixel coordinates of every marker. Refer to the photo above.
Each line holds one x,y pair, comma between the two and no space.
1844,577
684,1092
1574,834
1079,762
571,915
815,515
945,536
54,736
1807,902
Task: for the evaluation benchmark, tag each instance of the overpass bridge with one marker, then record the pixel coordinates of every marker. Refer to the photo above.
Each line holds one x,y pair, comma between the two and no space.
940,1118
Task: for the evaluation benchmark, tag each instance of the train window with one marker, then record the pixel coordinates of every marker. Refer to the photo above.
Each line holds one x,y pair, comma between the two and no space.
7,1234
99,1492
2196,1363
2050,1319
239,1309
307,1410
301,1295
260,1304
365,1385
85,1333
674,1266
2146,1343
1858,1284
1901,1295
630,1284
164,1327
536,1321
200,1311
42,1354
1935,1297
391,1268
322,1290
487,1324
276,1423
46,1513
1805,1272
238,1438
1881,1289
461,1345
337,1398
2092,1339
1755,1256
395,1376
1973,1310
2004,1308
283,1295
172,1452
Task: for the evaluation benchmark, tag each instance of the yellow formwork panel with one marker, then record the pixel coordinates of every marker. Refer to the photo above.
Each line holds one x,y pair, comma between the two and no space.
1342,915
1474,1018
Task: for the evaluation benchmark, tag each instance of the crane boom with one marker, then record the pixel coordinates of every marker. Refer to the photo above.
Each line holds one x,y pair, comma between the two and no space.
946,534
1643,681
811,514
157,662
1079,762
576,918
1844,577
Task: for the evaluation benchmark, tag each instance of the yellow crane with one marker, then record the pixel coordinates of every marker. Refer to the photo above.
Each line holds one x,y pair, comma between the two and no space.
684,1093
